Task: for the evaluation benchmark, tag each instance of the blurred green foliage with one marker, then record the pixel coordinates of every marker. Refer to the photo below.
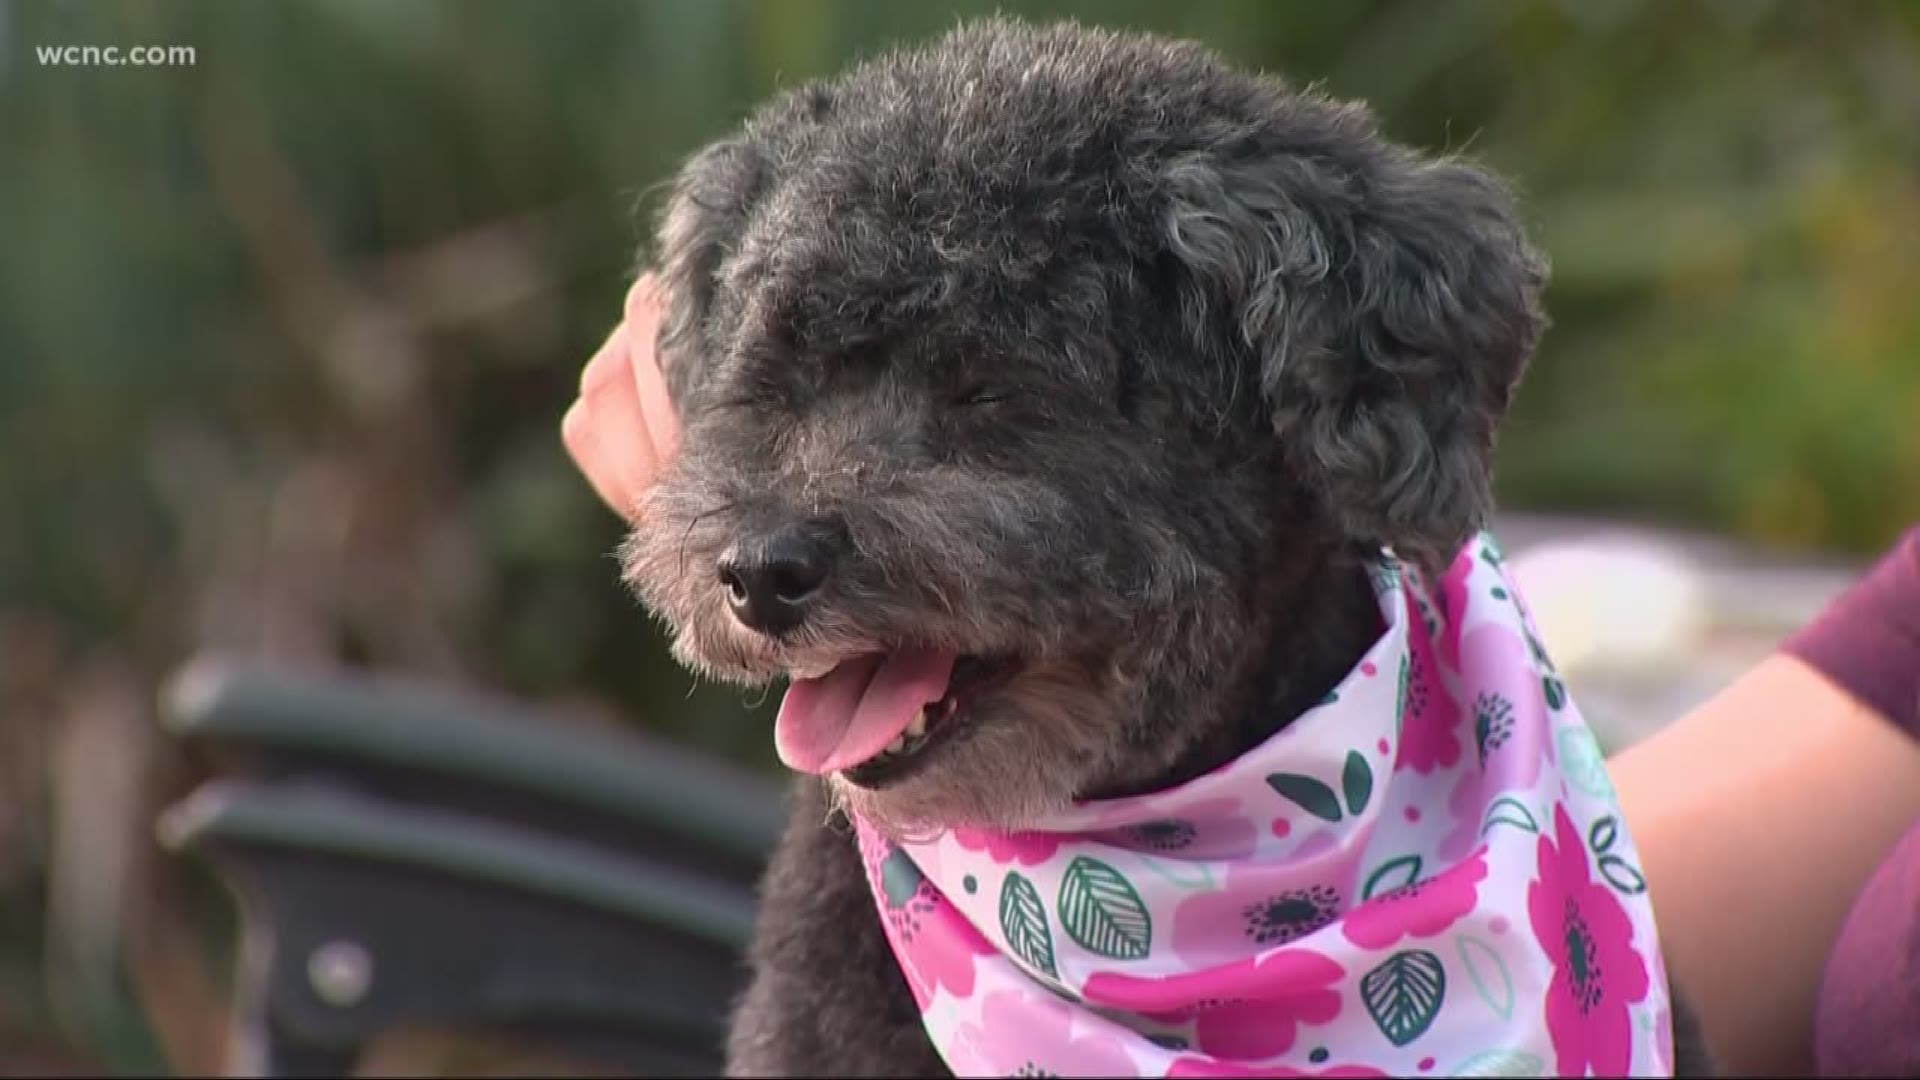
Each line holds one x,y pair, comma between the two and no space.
285,335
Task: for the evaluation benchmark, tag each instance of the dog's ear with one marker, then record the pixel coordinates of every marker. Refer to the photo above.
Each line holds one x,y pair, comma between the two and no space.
712,196
1386,304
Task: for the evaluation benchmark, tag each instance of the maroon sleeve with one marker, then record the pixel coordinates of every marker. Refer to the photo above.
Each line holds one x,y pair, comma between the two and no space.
1868,640
1863,1023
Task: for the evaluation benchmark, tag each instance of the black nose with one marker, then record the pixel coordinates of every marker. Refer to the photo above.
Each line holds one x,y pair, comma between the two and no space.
771,581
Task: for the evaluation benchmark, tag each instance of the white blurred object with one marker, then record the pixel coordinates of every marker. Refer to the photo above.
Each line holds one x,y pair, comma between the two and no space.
1618,603
1647,621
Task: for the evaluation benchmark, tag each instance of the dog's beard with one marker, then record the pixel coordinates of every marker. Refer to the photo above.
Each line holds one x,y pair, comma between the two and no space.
1032,746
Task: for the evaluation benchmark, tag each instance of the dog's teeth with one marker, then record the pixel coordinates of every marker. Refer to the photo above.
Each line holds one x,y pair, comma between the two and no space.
898,744
918,726
814,670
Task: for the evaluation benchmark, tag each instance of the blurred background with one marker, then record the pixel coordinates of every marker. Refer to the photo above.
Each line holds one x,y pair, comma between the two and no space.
286,335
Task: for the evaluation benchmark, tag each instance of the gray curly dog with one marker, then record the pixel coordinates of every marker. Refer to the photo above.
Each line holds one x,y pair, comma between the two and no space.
1093,361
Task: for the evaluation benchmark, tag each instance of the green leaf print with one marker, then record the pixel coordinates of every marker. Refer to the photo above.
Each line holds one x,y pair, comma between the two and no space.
1023,921
1538,650
1583,762
1179,872
1602,835
1357,781
1507,810
1490,552
1386,577
1313,796
1100,910
1622,876
1488,973
1391,875
1403,995
1501,1063
1427,617
1556,692
1400,703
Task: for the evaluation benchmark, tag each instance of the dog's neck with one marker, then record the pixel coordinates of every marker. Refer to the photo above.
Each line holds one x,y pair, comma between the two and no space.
1331,621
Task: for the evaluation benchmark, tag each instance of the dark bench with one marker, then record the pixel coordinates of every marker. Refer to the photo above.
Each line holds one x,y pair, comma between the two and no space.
404,856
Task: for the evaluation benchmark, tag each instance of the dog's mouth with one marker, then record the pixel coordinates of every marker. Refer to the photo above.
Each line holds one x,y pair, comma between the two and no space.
878,718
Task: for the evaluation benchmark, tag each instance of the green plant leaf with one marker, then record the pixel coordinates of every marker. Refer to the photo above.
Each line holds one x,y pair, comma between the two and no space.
1023,921
1391,875
1100,910
1356,779
1312,796
1404,993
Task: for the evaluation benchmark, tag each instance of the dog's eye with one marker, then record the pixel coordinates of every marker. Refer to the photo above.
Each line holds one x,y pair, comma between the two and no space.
980,396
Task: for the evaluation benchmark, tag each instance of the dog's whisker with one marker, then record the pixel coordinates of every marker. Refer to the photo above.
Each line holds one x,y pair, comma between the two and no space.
694,523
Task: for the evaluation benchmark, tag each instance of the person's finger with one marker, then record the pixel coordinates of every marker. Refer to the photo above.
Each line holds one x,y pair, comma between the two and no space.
576,427
644,312
606,363
621,427
642,297
577,434
606,430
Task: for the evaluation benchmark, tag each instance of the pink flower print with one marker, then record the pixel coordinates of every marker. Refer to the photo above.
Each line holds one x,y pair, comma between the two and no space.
1454,585
1428,739
1025,848
1512,732
1418,909
1465,807
1596,972
1203,1068
1510,710
935,943
1244,1011
1032,1035
1250,1030
1205,829
1250,909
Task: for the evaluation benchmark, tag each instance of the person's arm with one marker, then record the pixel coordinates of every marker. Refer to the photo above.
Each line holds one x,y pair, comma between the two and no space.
1760,815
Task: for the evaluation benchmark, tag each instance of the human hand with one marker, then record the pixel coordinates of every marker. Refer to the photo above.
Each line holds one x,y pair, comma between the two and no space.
621,430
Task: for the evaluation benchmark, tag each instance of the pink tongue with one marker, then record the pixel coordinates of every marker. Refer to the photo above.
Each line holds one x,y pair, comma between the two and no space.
851,713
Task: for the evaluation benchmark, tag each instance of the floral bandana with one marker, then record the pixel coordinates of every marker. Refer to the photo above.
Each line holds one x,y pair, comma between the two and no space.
1425,874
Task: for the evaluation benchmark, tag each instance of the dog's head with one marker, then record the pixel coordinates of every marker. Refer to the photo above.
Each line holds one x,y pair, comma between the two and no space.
1035,384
